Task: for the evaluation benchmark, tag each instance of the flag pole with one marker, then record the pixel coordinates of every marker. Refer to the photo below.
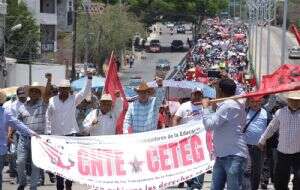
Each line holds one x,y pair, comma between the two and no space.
110,59
294,87
106,72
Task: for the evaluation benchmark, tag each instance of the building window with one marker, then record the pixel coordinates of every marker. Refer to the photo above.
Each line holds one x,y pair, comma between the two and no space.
47,38
70,5
47,6
70,18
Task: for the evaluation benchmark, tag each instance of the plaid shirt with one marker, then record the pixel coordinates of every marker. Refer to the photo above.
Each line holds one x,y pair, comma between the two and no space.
34,116
287,123
144,117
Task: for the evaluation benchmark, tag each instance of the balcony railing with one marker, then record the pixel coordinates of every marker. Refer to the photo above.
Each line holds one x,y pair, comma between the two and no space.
48,47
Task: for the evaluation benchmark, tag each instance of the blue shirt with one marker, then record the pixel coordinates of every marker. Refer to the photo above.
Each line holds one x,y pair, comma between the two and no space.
257,126
227,124
7,120
144,117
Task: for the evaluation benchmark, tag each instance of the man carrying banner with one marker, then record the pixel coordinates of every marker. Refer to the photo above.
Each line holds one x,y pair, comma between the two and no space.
61,118
142,114
7,120
189,111
103,121
287,121
230,146
31,113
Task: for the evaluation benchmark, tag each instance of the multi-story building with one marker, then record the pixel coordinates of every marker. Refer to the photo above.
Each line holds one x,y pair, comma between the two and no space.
52,16
65,10
45,14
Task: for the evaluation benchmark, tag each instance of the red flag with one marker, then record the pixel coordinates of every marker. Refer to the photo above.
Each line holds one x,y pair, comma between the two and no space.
286,78
112,84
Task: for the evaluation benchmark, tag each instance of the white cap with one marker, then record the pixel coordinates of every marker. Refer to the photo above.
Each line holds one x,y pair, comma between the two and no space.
106,97
64,83
197,89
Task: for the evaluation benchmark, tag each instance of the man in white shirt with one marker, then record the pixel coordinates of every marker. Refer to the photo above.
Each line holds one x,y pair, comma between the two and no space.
103,121
191,110
13,108
60,115
287,121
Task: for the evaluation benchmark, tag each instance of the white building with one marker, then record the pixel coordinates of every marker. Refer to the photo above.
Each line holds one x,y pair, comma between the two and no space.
53,16
45,14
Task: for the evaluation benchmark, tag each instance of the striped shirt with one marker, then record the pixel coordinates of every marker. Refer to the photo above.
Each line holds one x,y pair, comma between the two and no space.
227,124
34,116
144,117
288,124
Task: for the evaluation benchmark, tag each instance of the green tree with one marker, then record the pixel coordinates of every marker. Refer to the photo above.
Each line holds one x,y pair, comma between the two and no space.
175,10
152,11
112,30
23,43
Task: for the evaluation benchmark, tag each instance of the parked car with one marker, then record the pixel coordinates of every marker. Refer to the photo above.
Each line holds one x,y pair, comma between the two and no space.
170,25
154,46
177,45
181,29
163,64
294,52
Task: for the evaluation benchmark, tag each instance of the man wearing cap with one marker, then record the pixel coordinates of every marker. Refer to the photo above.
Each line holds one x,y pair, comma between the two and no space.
256,124
142,114
7,120
61,115
188,111
103,121
287,121
31,113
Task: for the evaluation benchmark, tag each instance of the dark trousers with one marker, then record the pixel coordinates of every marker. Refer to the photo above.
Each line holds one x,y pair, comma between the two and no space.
60,183
284,164
268,166
256,157
60,180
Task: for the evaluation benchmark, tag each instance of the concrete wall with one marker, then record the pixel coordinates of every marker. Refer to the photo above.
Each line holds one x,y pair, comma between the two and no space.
18,74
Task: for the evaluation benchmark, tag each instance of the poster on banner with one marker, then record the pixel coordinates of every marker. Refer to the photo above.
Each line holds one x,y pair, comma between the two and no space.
151,160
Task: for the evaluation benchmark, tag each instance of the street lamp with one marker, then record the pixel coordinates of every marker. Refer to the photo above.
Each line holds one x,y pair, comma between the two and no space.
16,27
283,38
4,72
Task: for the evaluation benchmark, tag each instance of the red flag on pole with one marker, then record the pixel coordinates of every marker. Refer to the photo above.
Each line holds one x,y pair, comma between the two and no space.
286,78
113,84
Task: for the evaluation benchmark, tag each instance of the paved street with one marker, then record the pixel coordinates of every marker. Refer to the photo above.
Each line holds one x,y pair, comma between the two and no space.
143,68
146,69
275,51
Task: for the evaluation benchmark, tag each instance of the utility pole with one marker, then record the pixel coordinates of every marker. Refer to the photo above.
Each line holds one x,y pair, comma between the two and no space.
271,16
3,66
30,65
87,6
283,38
240,9
234,8
229,3
73,72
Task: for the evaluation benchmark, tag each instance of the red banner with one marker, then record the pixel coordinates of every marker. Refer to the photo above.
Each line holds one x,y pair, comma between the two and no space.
286,78
112,84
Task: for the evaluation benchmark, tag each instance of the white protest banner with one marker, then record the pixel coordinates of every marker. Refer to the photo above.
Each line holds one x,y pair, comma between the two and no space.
150,160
